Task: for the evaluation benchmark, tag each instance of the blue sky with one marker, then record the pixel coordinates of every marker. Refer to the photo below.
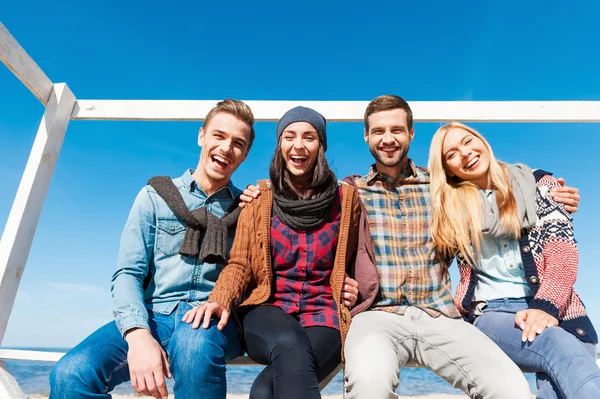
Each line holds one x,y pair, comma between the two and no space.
321,50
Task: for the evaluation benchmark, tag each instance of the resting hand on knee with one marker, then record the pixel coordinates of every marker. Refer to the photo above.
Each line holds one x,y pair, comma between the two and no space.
206,311
148,364
532,322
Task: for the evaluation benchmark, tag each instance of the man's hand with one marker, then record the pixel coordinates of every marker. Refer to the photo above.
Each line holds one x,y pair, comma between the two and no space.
205,311
250,194
566,195
349,291
148,364
532,322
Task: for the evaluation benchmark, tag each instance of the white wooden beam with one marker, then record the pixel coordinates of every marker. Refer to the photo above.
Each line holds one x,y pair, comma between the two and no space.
9,387
23,66
346,111
24,215
15,354
40,356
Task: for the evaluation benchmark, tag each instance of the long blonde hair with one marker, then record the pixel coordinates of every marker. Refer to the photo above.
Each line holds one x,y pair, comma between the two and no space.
457,209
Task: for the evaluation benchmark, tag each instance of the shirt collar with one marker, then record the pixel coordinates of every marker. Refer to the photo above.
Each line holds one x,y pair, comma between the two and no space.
409,170
191,185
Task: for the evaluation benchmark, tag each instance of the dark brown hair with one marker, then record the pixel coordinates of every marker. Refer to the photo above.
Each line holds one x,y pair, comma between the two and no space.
388,102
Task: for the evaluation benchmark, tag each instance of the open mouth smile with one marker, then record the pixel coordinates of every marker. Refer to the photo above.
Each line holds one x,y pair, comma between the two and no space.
298,160
473,163
220,161
389,150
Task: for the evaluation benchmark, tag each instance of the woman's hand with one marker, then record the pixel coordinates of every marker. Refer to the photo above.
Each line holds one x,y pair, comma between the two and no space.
250,194
569,196
349,291
206,311
532,322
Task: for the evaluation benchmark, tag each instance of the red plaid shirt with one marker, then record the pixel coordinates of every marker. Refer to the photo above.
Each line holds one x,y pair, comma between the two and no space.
302,262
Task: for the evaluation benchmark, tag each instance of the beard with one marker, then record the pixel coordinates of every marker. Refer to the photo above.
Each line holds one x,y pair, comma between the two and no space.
390,162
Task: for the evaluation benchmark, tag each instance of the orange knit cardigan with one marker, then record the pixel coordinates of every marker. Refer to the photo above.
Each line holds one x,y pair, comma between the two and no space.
250,271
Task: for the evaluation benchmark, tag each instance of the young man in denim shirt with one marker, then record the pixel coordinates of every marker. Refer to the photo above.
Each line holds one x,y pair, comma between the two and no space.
154,285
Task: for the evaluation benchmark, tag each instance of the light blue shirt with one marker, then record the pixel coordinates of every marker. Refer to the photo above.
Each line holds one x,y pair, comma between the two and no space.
151,274
500,269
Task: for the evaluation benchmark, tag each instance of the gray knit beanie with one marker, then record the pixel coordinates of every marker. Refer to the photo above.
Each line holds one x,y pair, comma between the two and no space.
304,114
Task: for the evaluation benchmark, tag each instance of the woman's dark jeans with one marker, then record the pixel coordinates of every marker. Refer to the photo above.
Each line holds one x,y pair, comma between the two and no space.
297,358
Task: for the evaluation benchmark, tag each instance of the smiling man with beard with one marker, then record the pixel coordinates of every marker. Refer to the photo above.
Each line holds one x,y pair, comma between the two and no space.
173,248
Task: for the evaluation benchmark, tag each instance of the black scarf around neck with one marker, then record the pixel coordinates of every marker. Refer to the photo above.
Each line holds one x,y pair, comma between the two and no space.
305,214
213,248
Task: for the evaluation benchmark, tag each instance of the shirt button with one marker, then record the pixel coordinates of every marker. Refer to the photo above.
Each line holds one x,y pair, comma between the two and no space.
410,271
115,314
526,249
505,245
580,332
534,280
304,250
172,228
511,265
195,278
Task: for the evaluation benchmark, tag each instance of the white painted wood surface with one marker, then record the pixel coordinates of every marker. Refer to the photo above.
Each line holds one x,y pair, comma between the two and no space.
9,387
14,354
346,111
23,66
24,215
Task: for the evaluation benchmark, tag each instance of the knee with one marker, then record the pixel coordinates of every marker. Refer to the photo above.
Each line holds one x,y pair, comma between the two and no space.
369,382
367,352
200,352
511,384
370,371
71,369
291,345
261,389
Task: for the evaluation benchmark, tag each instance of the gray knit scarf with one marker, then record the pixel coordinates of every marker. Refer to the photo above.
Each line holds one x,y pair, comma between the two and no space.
213,248
523,185
305,214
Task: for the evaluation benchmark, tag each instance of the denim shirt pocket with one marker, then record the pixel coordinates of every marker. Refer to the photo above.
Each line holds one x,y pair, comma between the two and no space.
169,235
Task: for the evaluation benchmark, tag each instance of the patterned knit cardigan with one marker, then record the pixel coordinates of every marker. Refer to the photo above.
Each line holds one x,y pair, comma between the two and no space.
550,258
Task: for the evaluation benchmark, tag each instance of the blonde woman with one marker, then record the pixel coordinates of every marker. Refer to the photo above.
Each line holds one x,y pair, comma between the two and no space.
517,258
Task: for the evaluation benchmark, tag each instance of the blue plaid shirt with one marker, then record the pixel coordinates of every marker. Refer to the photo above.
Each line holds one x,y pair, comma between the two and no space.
399,215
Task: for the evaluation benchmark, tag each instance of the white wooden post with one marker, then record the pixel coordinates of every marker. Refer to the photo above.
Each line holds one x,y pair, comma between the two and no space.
23,66
24,215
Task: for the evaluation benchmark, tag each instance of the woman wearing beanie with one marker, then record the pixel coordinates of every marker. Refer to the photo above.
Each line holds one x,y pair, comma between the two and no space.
287,265
518,261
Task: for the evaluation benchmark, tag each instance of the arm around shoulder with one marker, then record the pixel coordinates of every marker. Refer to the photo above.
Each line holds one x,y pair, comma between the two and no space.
236,275
559,249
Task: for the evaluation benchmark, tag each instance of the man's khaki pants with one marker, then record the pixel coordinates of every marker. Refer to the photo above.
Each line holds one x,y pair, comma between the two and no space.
379,343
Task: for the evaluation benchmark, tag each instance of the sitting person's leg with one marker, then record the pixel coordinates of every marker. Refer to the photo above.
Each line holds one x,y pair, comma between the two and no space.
93,368
568,363
326,346
378,345
275,338
197,357
99,363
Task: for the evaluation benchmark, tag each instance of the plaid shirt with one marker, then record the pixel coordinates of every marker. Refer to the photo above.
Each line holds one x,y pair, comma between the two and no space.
399,216
303,262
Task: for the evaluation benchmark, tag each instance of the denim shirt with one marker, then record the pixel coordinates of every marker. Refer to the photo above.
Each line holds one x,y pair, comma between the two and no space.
151,274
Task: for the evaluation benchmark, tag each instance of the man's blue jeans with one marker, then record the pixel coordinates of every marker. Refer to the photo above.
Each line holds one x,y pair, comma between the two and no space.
565,367
197,358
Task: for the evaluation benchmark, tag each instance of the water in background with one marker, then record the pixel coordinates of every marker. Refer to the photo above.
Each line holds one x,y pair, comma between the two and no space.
33,379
